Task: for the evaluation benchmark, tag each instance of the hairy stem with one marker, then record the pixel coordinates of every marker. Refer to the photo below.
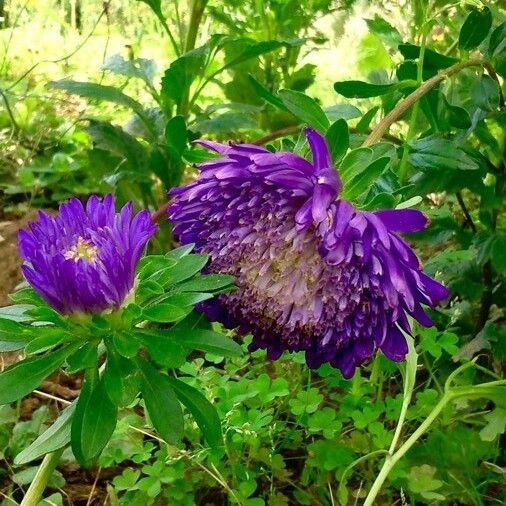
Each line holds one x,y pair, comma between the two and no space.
383,126
39,483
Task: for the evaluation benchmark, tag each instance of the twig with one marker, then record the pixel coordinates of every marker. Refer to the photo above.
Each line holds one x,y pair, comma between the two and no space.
379,131
160,212
63,391
486,298
93,487
293,129
15,125
332,502
52,397
462,205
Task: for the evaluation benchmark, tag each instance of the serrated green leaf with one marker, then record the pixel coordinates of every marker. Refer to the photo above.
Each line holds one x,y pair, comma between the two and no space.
118,142
496,424
438,154
140,68
126,344
384,30
94,91
182,72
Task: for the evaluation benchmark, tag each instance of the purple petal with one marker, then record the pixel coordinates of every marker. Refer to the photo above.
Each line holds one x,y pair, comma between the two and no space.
402,220
395,346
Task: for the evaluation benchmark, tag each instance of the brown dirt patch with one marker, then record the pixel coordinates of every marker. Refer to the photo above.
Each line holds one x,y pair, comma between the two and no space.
10,273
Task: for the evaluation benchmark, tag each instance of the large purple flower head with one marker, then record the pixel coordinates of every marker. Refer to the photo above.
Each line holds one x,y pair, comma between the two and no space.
314,273
84,259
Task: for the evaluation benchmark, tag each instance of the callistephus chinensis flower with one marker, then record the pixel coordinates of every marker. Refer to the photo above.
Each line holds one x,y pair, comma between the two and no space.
84,260
314,273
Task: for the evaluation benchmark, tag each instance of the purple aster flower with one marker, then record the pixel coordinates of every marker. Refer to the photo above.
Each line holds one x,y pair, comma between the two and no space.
84,260
314,273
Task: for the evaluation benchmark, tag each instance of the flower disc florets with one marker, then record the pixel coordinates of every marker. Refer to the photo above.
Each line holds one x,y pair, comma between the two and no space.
84,260
314,273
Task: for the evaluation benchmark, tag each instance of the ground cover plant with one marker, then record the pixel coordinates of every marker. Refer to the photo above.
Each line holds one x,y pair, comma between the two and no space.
268,260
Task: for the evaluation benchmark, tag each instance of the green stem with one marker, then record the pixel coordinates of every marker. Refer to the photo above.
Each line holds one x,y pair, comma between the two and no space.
483,390
39,483
356,383
197,12
403,166
391,460
169,33
408,393
15,126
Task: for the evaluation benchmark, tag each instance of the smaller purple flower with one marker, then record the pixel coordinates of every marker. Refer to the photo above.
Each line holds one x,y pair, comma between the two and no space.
84,259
